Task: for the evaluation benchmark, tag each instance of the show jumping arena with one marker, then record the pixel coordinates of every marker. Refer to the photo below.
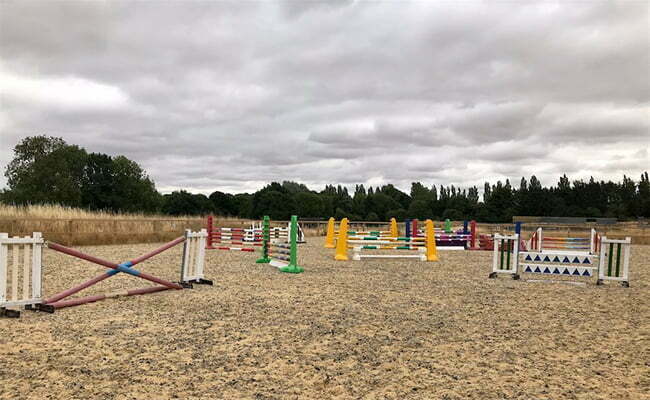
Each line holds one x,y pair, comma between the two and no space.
371,329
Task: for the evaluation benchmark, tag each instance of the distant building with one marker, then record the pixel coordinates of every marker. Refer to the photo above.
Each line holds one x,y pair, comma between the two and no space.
565,220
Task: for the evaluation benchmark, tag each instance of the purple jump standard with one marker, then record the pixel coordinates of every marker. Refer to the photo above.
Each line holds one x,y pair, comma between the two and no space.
57,301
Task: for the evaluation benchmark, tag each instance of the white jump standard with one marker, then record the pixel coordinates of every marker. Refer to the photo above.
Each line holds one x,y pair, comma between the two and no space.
194,258
505,259
610,250
26,271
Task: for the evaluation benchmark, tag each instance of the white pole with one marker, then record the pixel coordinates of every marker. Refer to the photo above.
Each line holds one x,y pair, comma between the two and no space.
37,268
3,267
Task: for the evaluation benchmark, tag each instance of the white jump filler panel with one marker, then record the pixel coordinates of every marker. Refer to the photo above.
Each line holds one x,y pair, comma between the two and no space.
611,264
20,274
193,262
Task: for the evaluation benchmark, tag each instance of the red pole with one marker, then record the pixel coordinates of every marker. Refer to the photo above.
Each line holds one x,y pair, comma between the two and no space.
79,301
92,299
78,254
157,251
152,289
209,243
472,241
71,291
96,260
159,281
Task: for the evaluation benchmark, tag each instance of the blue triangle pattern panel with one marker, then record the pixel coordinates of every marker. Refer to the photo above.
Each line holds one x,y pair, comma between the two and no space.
559,258
558,270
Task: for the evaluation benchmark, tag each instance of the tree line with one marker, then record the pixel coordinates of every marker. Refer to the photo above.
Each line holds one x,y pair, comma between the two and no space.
48,170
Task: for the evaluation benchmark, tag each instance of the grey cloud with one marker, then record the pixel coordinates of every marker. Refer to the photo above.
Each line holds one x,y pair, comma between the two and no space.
602,122
231,95
295,9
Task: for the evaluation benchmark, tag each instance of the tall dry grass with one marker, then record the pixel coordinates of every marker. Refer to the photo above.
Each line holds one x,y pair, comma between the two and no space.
74,226
55,211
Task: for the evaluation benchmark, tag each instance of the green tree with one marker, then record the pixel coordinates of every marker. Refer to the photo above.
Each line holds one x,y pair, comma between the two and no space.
46,170
500,203
452,214
244,205
420,192
403,199
274,201
294,187
135,190
224,204
399,214
378,204
643,196
419,209
183,203
98,191
372,217
593,212
339,214
178,203
309,205
358,200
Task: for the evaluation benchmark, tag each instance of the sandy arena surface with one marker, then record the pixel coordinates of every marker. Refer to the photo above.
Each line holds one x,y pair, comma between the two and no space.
373,330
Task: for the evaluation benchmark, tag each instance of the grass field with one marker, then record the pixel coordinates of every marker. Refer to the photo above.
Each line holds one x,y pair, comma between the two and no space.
374,330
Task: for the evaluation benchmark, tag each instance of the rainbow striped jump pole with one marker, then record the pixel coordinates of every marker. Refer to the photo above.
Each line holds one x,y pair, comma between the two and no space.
332,233
426,246
446,238
589,245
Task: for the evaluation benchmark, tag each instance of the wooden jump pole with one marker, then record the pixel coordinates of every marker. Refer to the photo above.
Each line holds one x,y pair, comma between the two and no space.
92,299
115,269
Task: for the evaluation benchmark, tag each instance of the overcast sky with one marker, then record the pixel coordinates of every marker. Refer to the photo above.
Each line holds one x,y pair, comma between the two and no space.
233,95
